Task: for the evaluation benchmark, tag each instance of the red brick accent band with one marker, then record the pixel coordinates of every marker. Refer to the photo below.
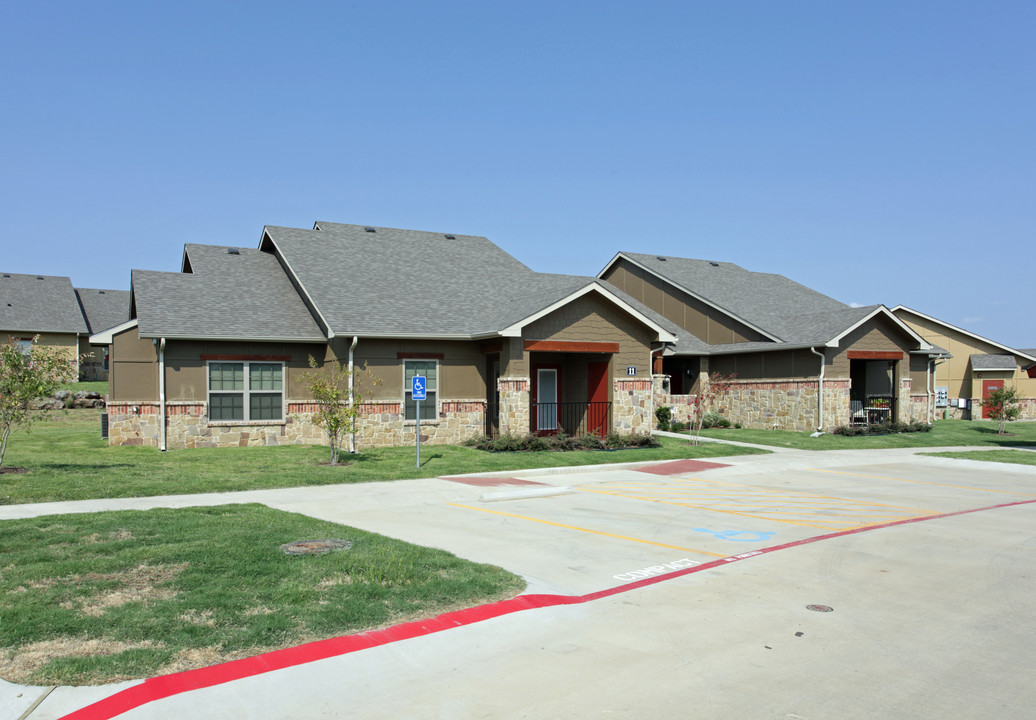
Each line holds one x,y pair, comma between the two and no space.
563,346
873,355
514,385
634,385
449,406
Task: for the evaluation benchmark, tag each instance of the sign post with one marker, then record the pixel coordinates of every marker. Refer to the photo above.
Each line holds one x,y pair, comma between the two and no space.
419,391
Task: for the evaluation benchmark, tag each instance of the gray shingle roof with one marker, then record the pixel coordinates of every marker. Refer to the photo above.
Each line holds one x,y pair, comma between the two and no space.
103,309
993,362
39,303
771,303
408,282
240,296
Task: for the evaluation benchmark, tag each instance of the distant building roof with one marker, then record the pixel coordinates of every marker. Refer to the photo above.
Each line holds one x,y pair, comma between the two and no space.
993,362
103,309
39,303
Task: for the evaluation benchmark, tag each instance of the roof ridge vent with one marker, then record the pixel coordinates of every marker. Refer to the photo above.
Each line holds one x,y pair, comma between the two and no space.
713,263
450,237
233,251
369,229
661,258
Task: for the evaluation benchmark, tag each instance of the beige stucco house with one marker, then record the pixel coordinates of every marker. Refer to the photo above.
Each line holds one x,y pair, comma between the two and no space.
977,366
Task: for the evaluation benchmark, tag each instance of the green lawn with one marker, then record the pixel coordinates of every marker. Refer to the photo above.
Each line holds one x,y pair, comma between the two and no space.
66,459
945,433
1018,457
97,386
103,597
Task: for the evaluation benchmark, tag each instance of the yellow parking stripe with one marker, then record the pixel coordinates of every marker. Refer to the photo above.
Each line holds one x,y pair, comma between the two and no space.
587,530
924,482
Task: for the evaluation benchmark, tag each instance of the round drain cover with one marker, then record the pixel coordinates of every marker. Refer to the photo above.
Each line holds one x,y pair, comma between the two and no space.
820,608
315,547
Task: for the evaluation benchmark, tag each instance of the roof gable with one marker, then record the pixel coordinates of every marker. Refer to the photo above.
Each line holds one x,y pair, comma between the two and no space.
761,301
1029,355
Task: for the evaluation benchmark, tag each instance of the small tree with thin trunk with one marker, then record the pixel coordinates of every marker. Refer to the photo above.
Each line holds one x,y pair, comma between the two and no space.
337,412
27,375
1002,406
704,396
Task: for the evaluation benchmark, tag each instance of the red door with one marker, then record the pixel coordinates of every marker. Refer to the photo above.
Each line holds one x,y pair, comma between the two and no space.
988,387
597,397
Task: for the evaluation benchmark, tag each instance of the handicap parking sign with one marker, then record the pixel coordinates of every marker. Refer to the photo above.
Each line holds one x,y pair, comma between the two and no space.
418,387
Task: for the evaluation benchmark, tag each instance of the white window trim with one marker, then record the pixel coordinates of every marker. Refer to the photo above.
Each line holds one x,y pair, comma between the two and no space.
246,391
407,393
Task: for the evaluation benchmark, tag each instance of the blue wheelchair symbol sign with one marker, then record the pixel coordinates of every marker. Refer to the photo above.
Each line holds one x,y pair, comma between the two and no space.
418,387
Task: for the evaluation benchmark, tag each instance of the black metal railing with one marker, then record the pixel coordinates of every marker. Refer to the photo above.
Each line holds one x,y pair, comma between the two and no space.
872,411
571,418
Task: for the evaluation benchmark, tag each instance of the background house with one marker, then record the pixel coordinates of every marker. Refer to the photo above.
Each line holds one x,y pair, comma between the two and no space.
978,366
802,360
43,305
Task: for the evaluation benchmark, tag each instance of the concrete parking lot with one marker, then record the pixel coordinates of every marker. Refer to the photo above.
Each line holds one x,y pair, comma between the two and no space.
669,591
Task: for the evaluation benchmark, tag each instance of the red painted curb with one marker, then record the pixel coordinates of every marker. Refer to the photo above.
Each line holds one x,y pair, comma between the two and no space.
158,688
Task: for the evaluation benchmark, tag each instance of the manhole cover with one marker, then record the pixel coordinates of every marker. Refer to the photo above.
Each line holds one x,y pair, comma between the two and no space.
820,608
315,547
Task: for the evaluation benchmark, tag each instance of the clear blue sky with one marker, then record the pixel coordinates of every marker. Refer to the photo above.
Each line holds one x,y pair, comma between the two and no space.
879,152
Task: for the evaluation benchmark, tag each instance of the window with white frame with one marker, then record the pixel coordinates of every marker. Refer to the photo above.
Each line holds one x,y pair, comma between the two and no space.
246,391
430,370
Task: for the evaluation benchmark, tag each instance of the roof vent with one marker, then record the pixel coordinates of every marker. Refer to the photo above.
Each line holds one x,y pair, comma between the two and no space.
233,251
39,277
661,258
450,237
100,292
713,264
369,229
6,275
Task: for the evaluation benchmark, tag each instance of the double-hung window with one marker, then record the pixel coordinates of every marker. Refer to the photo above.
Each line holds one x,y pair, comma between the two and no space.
246,391
430,370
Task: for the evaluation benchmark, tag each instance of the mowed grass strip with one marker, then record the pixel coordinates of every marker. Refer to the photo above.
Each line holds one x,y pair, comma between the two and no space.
1016,457
944,433
66,459
87,599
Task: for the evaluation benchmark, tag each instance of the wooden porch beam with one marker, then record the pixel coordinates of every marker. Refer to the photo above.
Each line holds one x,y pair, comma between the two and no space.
572,347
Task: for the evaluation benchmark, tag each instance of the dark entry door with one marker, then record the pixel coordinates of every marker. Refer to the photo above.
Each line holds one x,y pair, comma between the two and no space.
597,398
988,388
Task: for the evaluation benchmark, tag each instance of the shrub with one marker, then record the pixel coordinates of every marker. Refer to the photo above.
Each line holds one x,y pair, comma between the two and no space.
664,415
723,423
560,442
737,426
711,419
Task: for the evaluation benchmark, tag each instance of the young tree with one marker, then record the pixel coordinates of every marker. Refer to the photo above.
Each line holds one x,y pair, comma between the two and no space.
338,410
27,375
703,397
1002,405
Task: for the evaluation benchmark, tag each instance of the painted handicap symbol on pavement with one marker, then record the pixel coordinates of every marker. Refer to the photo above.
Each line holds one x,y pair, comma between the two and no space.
738,535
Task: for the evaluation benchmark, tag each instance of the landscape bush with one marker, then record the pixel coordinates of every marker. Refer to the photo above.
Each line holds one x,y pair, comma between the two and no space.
561,442
887,428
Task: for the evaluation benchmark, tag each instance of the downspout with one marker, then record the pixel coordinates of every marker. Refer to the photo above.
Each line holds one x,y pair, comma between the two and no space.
352,379
820,390
161,394
928,389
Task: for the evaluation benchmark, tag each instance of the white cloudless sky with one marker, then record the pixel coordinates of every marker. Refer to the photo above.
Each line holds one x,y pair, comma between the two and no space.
879,152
